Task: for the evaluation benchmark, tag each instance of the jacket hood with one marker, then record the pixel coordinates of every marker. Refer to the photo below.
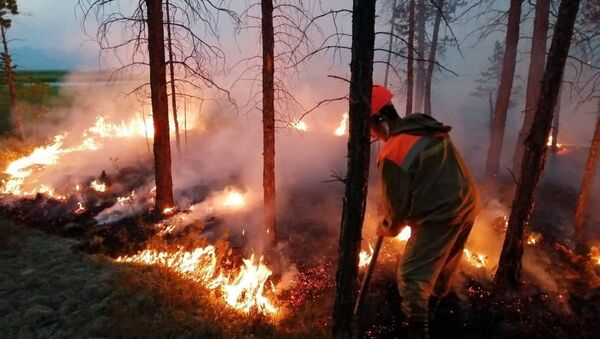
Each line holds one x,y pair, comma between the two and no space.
418,123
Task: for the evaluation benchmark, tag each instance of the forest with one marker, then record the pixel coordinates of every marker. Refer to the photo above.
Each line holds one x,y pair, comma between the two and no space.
288,168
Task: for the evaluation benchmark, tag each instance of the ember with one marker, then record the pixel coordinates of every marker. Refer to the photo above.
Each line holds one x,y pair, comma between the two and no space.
533,238
80,208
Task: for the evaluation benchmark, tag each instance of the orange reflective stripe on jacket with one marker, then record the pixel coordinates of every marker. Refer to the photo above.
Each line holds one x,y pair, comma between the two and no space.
402,149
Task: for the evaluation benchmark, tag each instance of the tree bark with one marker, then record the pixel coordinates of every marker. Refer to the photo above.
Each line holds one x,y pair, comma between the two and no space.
389,56
503,99
432,53
532,163
172,75
491,102
10,81
410,59
555,123
534,78
268,107
420,83
160,106
355,197
586,188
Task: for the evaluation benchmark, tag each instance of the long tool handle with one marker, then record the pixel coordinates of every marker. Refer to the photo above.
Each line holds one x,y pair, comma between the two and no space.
365,282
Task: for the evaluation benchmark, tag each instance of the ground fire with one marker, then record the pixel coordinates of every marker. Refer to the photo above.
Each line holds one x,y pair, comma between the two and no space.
290,169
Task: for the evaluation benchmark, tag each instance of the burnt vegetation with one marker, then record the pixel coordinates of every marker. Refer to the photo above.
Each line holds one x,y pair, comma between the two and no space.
170,235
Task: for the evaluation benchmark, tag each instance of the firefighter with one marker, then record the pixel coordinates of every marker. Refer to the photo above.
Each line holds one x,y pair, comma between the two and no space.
427,185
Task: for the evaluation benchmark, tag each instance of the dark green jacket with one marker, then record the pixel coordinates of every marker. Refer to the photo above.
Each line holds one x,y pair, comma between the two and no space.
424,178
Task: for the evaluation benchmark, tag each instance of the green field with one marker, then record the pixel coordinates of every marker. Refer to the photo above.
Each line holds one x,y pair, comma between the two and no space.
34,90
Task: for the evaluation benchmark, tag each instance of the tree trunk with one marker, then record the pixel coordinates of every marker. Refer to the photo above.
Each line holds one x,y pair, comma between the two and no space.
491,101
506,81
586,188
160,106
389,56
555,123
532,164
268,107
355,197
534,78
172,75
410,61
10,81
432,52
420,83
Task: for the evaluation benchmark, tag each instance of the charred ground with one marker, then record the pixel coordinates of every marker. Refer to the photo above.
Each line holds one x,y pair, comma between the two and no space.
309,241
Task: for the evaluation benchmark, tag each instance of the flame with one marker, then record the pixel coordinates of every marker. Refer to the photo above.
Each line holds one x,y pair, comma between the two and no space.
80,208
404,234
242,289
299,125
343,127
549,142
127,199
245,291
533,238
364,258
21,169
475,259
234,199
98,186
168,210
595,254
136,127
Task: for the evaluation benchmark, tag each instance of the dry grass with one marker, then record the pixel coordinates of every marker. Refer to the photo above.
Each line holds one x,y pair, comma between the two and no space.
168,306
11,235
11,149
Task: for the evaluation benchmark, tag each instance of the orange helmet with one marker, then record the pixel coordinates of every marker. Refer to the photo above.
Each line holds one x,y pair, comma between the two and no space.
381,96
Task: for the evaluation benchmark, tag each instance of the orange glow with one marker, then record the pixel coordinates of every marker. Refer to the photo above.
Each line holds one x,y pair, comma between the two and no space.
20,170
533,238
98,186
168,210
475,259
299,125
80,208
343,126
404,234
242,289
549,143
234,199
595,254
364,258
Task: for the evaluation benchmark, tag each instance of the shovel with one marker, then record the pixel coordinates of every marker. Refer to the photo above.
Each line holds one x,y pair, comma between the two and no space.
365,282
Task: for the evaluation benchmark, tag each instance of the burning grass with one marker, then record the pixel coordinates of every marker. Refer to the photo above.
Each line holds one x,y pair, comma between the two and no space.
185,286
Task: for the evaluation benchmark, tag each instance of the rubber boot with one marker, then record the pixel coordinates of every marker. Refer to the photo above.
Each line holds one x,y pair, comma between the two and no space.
418,328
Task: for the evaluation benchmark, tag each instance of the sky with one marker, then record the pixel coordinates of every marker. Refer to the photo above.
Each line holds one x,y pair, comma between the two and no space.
49,35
